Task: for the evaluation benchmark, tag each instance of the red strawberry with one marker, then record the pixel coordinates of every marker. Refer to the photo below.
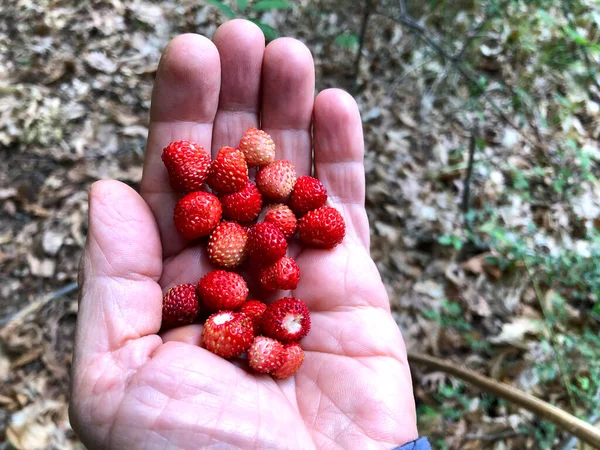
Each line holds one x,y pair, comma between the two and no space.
229,171
254,309
308,194
227,334
222,290
244,205
266,244
187,164
227,245
293,357
197,214
283,218
286,320
265,354
324,227
258,147
283,274
276,180
180,305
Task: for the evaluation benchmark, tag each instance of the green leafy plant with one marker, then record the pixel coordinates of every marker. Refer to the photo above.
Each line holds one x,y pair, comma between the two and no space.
251,10
451,240
450,316
347,40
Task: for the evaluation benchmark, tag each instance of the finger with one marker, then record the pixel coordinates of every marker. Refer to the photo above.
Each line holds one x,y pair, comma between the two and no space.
241,46
339,151
120,296
184,104
288,90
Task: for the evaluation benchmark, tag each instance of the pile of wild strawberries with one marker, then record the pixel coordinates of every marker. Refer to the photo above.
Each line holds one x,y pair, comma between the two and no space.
269,334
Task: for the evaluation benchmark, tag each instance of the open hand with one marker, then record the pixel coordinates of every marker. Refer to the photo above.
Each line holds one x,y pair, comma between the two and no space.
133,388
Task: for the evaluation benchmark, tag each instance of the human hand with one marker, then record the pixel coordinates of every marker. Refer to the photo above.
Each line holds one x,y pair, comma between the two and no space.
133,388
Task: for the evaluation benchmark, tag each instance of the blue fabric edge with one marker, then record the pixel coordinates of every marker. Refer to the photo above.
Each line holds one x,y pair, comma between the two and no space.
419,444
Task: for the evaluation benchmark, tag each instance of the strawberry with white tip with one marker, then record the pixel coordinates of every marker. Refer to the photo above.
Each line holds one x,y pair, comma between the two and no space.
286,320
227,334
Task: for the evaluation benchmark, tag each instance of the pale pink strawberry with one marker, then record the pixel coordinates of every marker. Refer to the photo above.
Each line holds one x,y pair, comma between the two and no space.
276,180
258,147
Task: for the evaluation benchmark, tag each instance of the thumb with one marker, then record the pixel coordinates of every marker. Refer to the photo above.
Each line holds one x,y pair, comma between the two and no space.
120,267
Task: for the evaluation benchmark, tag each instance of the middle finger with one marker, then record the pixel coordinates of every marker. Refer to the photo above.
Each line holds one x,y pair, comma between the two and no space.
241,46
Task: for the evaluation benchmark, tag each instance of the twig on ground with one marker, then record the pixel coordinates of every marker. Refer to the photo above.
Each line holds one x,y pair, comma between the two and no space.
584,431
571,442
8,324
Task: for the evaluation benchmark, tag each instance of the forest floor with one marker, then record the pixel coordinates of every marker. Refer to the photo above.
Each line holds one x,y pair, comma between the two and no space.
75,86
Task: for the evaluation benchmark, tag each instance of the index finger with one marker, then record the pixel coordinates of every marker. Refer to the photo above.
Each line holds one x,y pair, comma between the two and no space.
184,104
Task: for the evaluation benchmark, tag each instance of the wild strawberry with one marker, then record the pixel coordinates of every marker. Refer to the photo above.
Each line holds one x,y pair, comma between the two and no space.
293,357
227,334
283,274
276,180
258,147
286,320
283,218
254,309
265,354
187,165
229,171
180,305
266,244
244,205
324,227
308,194
222,290
197,214
227,245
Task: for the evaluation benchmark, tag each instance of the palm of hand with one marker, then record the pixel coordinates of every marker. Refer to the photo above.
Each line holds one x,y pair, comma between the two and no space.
135,389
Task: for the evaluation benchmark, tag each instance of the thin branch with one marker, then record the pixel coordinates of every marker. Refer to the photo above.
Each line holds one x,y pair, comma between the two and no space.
473,33
424,35
402,7
584,431
406,73
361,38
466,198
